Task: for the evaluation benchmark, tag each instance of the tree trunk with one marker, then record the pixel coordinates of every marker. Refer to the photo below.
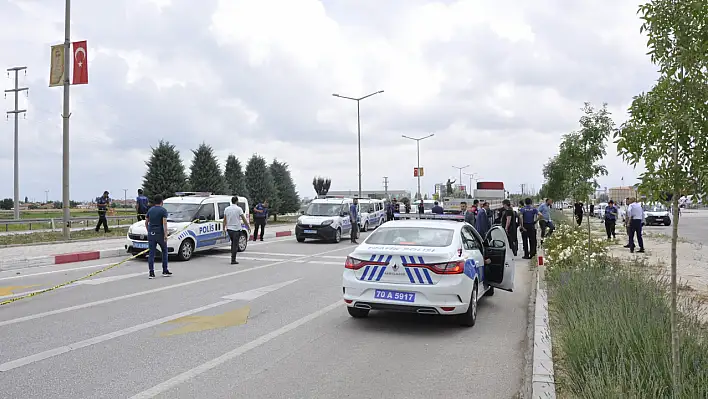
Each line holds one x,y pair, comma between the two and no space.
675,358
275,217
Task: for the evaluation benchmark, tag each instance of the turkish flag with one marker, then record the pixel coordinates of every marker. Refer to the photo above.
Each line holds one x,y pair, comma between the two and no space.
80,63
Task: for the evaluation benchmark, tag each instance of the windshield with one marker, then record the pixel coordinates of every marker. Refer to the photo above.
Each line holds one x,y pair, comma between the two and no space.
655,208
428,206
323,209
411,236
179,212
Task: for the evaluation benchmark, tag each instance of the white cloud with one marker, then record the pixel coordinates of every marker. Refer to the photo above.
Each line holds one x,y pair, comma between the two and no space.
497,84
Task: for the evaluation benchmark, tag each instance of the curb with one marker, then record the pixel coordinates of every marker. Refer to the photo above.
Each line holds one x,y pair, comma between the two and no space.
48,260
542,379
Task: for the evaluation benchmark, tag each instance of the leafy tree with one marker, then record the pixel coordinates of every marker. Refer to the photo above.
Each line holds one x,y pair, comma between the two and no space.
7,204
321,185
259,181
205,173
235,179
667,127
165,172
289,200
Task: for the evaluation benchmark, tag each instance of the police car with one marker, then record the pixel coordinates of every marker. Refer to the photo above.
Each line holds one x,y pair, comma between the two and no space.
325,219
194,223
371,213
429,264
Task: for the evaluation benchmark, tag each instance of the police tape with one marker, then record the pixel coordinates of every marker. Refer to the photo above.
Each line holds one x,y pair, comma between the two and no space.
35,293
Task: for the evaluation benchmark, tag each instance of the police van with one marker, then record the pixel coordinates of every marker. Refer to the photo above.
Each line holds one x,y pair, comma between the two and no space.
194,223
325,219
372,213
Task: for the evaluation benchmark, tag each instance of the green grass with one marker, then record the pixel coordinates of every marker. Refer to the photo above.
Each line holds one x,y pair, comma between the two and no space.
55,236
612,337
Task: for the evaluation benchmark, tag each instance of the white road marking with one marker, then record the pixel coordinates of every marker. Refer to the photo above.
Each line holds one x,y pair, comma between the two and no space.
270,253
203,368
239,257
334,257
242,296
57,271
326,262
97,281
152,291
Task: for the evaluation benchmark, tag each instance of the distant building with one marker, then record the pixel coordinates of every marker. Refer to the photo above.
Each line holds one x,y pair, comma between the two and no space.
379,194
618,194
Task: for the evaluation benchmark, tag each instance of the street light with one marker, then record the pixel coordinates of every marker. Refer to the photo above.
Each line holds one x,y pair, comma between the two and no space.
471,175
460,168
358,125
417,142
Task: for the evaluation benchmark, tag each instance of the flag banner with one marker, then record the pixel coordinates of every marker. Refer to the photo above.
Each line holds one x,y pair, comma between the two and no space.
57,74
80,63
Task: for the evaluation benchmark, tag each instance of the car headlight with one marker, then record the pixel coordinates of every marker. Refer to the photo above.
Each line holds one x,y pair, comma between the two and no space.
327,222
130,230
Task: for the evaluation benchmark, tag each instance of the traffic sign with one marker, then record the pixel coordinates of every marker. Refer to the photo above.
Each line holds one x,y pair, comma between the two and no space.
418,172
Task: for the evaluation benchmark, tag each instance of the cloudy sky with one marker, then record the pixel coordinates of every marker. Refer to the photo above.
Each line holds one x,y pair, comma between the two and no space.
498,85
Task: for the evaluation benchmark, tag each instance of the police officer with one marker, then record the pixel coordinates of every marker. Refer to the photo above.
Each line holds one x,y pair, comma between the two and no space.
156,226
260,217
141,205
611,213
354,219
103,202
529,216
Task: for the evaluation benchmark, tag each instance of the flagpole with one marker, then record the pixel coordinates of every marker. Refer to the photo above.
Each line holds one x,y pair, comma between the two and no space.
66,198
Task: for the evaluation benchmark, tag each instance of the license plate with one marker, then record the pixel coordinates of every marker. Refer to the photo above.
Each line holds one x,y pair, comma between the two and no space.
310,231
142,245
395,295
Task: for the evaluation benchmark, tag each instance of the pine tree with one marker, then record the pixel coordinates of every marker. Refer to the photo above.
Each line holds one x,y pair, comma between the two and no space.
205,173
259,181
288,199
165,172
235,179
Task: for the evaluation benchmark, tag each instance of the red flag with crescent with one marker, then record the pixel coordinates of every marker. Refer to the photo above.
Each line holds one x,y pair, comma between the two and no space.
80,63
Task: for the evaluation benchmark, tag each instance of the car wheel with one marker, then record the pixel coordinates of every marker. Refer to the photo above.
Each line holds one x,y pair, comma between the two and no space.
667,223
300,238
242,241
469,318
490,292
338,236
186,250
357,313
366,226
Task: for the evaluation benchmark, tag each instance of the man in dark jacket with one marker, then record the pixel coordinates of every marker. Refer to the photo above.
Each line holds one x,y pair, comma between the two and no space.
482,223
437,209
467,213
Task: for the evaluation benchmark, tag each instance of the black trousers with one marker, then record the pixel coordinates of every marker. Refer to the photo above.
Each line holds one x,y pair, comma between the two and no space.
141,216
579,219
529,237
546,226
635,227
610,228
513,238
355,231
102,221
258,222
234,236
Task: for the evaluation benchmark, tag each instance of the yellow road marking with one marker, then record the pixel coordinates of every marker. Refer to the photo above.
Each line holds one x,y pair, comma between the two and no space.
4,291
232,318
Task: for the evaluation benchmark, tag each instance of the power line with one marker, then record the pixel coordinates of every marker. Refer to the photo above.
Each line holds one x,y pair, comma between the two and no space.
17,113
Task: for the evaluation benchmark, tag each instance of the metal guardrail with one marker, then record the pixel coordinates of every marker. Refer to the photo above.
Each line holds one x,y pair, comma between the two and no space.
56,223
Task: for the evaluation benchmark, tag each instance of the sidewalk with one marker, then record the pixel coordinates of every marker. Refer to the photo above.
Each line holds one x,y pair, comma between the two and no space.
23,256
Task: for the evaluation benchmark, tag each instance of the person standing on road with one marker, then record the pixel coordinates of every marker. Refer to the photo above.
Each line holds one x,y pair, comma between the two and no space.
611,213
421,207
636,216
508,222
141,205
529,217
103,202
579,213
467,213
592,210
482,222
389,211
233,217
260,217
627,219
156,226
475,207
354,219
437,209
545,222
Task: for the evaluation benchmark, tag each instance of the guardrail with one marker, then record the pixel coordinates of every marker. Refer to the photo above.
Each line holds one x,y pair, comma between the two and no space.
56,223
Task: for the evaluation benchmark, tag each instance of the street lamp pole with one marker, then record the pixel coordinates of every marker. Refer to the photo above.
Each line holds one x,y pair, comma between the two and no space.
358,125
471,175
417,142
460,169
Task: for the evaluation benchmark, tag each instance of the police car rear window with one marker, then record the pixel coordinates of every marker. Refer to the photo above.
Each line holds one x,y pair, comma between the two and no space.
411,236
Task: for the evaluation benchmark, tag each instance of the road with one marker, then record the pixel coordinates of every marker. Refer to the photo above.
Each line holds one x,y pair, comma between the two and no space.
273,326
693,226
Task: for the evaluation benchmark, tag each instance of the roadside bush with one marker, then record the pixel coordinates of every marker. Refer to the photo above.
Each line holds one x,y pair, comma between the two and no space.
567,248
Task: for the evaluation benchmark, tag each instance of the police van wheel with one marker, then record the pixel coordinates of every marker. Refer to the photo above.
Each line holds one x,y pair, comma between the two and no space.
338,236
242,242
469,318
366,226
186,250
300,238
357,313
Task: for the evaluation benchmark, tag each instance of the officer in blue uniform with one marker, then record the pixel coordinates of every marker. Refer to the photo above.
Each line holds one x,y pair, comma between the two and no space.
529,216
141,205
103,202
354,219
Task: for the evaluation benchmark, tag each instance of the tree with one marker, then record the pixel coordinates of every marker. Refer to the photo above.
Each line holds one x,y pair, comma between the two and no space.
259,181
321,185
205,173
666,129
235,179
289,200
7,204
165,172
603,197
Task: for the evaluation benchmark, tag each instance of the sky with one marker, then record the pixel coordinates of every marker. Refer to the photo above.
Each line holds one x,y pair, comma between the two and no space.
497,85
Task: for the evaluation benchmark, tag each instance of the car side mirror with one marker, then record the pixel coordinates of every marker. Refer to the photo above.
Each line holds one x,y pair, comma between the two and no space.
498,244
302,212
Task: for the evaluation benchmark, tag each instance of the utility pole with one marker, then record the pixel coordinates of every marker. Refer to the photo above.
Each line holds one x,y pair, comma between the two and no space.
46,196
17,113
471,176
460,169
358,124
125,196
65,194
385,183
417,142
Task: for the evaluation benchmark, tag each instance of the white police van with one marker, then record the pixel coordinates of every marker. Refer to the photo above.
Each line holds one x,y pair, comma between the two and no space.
198,217
372,213
325,219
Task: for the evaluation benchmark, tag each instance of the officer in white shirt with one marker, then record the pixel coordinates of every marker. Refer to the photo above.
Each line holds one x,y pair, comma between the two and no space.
233,216
635,214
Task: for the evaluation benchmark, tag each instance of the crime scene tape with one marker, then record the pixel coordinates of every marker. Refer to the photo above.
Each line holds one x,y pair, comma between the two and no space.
9,301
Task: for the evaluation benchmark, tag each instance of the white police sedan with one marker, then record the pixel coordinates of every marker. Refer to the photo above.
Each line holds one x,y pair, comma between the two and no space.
429,264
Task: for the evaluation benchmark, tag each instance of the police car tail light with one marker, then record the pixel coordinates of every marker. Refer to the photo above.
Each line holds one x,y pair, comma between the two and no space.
457,267
356,264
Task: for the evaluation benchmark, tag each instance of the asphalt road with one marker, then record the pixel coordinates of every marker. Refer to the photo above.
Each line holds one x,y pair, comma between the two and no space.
693,226
274,326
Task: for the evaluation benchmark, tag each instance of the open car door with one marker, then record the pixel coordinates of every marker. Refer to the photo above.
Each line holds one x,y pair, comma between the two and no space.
500,272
